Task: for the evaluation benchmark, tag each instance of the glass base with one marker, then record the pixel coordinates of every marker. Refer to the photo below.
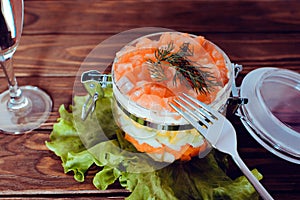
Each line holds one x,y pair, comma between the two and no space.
25,120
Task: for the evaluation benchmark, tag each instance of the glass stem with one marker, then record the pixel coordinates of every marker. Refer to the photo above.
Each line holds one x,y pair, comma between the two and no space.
17,102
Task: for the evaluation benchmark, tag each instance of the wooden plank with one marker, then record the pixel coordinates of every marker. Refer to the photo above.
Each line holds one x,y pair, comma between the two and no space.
98,17
29,168
63,55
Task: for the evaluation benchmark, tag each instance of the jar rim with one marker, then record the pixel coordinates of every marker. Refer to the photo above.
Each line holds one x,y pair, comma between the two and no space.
142,112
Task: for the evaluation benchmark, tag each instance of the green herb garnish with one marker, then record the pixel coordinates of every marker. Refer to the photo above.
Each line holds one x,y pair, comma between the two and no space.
188,72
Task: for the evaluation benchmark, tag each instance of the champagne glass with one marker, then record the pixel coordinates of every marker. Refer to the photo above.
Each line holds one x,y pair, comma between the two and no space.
25,108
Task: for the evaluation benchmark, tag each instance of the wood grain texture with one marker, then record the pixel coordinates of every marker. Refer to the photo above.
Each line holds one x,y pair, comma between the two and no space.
29,168
59,35
193,16
63,55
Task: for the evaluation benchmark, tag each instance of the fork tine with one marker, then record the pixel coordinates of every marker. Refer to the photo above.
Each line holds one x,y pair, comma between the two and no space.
198,109
193,111
189,118
214,114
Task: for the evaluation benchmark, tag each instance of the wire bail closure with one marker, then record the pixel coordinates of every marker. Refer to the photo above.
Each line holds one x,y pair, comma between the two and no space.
236,100
94,82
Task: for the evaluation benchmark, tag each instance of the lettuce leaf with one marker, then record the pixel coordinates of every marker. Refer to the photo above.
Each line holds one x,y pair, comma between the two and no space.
81,144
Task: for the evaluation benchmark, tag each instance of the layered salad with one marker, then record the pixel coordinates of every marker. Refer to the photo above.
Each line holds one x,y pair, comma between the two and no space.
152,71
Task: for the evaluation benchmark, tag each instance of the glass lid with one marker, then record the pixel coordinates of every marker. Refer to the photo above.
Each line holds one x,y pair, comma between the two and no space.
272,115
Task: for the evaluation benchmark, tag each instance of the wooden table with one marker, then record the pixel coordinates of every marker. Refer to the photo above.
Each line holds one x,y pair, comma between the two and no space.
59,34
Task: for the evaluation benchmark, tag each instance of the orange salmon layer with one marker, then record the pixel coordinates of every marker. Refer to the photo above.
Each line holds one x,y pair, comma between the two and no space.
185,153
149,93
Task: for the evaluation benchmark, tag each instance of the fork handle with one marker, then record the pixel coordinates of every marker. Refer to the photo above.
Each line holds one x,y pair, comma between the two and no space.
256,184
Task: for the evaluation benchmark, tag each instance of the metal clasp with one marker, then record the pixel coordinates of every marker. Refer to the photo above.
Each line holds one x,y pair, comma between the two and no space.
236,100
94,82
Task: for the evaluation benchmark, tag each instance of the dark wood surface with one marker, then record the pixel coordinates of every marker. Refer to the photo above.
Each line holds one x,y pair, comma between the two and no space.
59,34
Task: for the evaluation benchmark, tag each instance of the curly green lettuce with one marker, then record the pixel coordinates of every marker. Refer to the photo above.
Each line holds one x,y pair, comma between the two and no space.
196,179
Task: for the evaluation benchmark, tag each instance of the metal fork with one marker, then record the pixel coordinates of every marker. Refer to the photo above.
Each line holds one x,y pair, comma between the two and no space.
218,131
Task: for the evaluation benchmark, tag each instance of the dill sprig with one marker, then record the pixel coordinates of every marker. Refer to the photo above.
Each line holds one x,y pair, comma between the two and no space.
186,71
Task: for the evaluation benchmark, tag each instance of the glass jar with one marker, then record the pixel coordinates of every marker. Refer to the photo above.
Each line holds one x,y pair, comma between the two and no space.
149,73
